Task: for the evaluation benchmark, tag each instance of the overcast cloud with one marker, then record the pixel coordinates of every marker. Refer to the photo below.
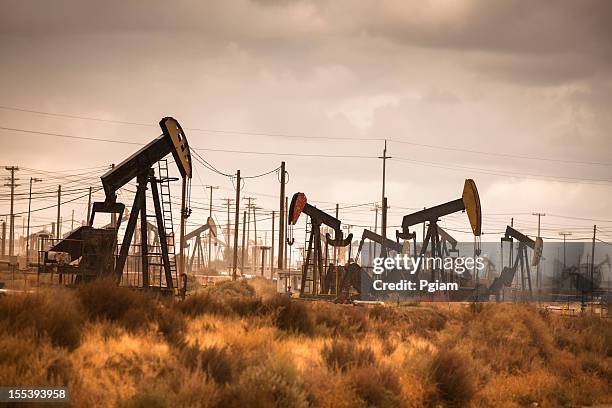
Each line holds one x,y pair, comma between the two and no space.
516,77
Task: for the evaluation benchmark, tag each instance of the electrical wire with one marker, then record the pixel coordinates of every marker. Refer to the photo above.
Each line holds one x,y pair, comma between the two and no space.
502,173
293,136
505,173
51,206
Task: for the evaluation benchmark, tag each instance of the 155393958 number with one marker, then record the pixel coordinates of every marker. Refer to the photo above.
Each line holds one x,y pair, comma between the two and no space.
33,394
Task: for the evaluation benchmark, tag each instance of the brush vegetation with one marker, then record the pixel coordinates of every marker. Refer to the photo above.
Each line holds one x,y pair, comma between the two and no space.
234,346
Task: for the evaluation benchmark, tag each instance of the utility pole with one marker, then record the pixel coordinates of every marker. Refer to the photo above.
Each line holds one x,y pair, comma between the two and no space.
538,277
72,221
236,223
244,215
22,246
12,185
248,225
228,203
375,209
255,225
3,249
59,221
255,239
32,180
383,218
593,259
336,248
59,211
383,222
210,215
89,206
424,227
564,234
272,249
281,219
285,221
263,258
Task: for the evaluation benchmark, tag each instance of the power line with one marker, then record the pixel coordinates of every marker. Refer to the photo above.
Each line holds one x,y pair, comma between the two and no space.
205,130
506,155
603,242
293,136
578,218
283,154
506,173
434,164
51,206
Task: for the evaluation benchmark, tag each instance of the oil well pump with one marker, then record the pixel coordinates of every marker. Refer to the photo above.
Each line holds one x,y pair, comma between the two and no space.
387,245
469,202
587,277
91,251
522,261
448,244
198,252
315,278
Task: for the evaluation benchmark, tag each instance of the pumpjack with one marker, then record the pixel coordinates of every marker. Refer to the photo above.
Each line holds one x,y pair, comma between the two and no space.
387,245
198,252
507,275
587,277
91,251
434,238
315,278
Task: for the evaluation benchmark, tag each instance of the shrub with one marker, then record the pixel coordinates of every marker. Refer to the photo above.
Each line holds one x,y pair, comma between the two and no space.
148,399
200,304
450,372
224,299
289,315
341,320
14,351
104,300
383,314
343,354
54,314
275,383
240,288
172,325
216,361
376,386
60,371
244,306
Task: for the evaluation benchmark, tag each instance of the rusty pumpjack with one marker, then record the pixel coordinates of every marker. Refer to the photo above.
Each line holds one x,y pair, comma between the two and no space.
469,202
522,261
326,283
198,252
95,247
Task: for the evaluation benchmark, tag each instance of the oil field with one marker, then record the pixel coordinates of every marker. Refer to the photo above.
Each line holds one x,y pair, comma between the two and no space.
306,204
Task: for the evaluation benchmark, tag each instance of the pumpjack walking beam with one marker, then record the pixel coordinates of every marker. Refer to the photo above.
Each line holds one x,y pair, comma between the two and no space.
314,254
387,243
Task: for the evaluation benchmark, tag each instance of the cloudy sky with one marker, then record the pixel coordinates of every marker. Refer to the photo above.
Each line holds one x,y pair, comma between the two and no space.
513,94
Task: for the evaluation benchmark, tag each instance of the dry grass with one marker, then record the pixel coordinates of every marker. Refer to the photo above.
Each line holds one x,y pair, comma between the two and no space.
234,346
